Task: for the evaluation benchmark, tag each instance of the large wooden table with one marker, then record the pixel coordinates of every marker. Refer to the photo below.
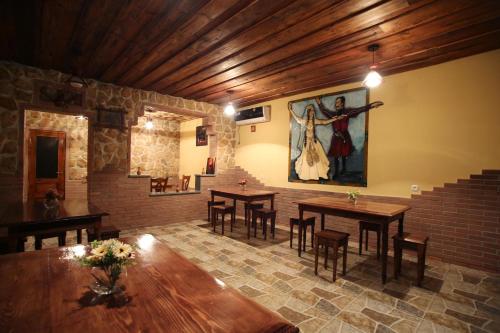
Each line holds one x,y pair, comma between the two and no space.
382,213
248,195
31,218
43,292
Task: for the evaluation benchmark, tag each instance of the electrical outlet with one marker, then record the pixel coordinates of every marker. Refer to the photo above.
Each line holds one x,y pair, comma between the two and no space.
415,188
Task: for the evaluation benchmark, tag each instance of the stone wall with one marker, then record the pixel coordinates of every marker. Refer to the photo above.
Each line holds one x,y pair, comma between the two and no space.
110,148
76,138
156,151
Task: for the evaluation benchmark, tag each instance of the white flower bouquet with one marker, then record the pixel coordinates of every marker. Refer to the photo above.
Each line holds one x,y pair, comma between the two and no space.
108,259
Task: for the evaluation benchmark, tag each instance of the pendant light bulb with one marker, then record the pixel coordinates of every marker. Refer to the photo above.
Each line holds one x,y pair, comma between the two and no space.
229,109
373,78
149,124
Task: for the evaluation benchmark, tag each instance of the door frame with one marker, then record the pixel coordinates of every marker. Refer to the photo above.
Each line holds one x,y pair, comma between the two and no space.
61,178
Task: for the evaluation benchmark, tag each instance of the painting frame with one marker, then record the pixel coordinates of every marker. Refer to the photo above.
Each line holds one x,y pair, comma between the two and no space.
201,136
361,179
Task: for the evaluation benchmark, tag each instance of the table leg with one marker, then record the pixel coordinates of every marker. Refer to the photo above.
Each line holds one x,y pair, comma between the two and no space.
272,202
322,222
249,223
301,222
385,246
97,229
400,225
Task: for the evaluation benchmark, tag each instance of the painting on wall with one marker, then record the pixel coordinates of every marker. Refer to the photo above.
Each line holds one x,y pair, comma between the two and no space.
329,138
201,136
211,166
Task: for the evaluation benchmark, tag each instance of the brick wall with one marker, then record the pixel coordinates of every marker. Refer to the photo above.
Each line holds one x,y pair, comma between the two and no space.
461,219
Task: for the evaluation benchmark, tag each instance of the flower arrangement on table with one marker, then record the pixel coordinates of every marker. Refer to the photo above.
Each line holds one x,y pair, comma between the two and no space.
353,195
51,200
107,259
243,183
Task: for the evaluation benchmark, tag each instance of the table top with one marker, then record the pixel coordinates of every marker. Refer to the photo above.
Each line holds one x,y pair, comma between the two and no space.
361,206
237,190
22,213
43,291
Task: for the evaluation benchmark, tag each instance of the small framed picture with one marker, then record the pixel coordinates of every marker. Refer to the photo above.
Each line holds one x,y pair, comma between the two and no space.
201,136
211,166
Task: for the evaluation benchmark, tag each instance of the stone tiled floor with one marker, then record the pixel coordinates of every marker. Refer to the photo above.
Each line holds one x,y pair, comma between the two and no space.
453,298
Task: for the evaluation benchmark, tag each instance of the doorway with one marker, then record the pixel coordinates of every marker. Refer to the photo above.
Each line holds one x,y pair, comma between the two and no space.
64,134
47,160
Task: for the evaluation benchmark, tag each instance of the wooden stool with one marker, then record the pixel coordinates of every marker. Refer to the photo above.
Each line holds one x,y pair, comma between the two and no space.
214,203
249,207
61,239
335,239
107,232
264,214
222,210
311,221
369,226
416,243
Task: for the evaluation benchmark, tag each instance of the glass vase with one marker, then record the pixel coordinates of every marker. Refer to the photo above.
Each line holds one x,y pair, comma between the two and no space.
105,279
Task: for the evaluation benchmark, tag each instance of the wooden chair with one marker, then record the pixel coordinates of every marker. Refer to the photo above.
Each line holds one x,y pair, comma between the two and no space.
185,182
223,210
61,239
166,185
335,239
416,243
214,203
107,232
311,222
369,226
249,207
157,184
264,214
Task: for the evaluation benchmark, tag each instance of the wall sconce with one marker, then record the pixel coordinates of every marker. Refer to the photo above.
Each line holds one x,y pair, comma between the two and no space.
373,78
77,82
149,124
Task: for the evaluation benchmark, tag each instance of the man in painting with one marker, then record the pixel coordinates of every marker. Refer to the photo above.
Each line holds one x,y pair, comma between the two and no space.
341,146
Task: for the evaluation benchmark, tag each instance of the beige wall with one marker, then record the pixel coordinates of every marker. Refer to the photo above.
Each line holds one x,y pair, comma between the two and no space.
438,124
192,158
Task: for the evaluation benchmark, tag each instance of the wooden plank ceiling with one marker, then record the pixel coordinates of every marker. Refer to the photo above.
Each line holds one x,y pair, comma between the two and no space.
242,50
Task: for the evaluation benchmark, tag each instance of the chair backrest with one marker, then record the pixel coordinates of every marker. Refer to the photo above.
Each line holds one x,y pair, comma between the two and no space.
157,184
185,182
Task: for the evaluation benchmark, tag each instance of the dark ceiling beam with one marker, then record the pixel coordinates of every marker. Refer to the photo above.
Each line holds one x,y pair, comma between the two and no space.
247,17
395,50
340,36
151,36
419,16
292,14
316,24
202,22
128,27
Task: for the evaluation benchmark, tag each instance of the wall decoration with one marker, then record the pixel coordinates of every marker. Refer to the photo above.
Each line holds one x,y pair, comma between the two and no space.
329,138
59,95
211,166
111,117
201,136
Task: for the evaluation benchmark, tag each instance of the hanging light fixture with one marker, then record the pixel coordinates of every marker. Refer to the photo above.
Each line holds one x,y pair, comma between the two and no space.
373,78
149,124
229,109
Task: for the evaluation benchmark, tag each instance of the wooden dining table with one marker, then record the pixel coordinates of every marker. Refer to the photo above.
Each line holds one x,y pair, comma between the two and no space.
47,291
245,195
382,213
31,218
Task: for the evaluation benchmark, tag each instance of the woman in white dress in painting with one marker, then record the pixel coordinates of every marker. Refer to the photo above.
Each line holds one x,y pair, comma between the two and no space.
312,164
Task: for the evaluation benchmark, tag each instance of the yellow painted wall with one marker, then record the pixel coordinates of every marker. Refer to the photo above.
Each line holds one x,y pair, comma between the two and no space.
192,158
438,124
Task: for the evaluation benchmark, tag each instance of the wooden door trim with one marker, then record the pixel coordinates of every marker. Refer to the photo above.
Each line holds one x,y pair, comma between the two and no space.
61,177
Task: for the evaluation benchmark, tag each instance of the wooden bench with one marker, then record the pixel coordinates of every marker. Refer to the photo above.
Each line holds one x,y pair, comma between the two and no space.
107,232
334,239
413,242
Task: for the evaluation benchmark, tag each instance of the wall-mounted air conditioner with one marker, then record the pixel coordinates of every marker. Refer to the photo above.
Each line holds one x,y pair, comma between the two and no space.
259,114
